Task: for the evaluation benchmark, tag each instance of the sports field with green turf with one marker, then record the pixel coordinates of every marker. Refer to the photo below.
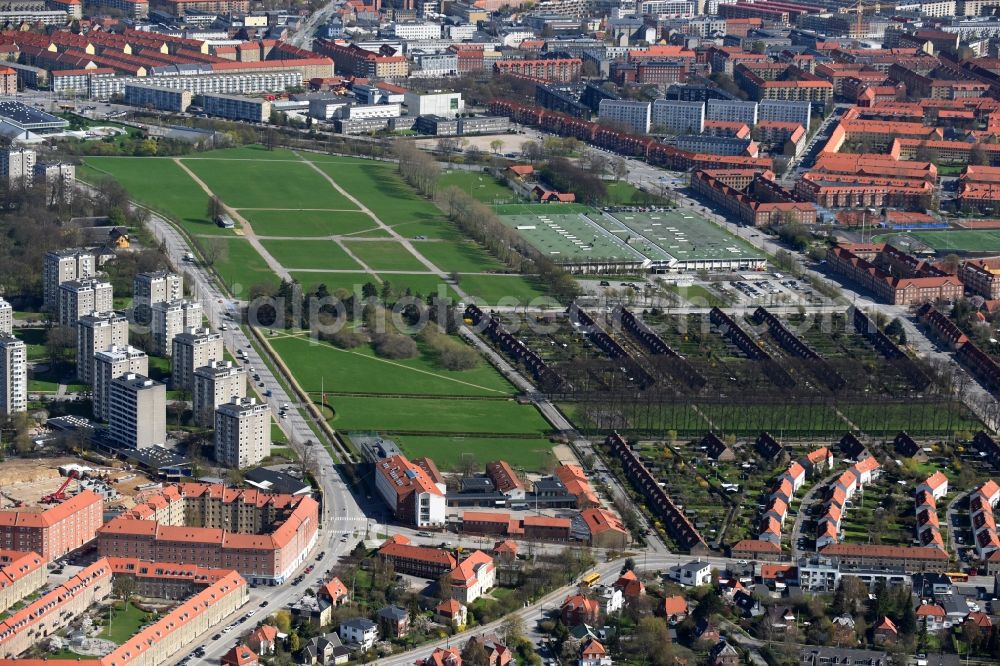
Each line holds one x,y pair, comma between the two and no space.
953,240
294,203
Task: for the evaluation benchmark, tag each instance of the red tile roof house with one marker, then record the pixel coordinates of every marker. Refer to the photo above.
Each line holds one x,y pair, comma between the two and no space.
442,657
240,655
453,613
885,632
594,654
473,577
674,609
578,609
262,639
630,585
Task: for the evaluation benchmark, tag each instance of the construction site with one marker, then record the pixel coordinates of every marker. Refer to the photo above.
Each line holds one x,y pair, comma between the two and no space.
48,481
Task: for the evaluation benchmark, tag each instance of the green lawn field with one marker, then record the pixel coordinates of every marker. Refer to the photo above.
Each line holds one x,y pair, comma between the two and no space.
268,184
531,455
307,223
123,624
351,282
492,288
436,416
241,267
378,186
462,257
326,254
319,364
479,185
957,240
159,183
424,284
387,255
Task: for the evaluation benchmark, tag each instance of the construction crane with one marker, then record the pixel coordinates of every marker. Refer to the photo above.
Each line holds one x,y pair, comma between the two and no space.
60,495
859,9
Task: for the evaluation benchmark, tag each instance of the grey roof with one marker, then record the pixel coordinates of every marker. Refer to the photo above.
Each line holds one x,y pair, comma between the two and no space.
694,566
394,613
360,623
275,481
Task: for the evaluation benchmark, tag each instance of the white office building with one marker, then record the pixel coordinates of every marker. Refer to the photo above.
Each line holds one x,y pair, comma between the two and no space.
13,375
242,433
444,104
193,348
678,117
170,318
411,31
79,298
215,384
111,364
138,411
785,112
95,333
632,116
732,111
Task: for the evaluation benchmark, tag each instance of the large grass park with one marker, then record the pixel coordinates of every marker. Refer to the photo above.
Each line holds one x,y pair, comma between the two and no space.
344,223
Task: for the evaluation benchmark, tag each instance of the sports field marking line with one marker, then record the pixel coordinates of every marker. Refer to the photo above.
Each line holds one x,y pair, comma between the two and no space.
248,232
332,237
400,239
417,370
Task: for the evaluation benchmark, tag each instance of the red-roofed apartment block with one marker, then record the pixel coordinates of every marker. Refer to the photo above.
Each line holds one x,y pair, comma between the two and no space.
264,536
414,492
54,531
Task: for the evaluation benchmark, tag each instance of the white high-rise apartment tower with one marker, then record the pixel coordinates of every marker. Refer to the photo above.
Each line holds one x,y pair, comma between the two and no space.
13,375
242,433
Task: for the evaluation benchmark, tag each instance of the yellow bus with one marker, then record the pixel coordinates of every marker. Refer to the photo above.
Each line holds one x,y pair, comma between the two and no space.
590,579
958,576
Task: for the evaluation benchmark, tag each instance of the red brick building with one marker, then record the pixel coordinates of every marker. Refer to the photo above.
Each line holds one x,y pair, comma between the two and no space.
54,531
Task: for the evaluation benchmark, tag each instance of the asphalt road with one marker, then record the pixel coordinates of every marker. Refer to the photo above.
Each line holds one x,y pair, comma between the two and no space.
341,511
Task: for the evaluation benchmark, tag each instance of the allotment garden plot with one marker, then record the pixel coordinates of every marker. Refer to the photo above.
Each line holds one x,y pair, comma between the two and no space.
646,375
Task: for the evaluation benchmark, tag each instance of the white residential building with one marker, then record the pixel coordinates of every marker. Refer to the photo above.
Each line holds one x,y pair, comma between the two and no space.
13,375
359,631
157,287
62,266
94,333
215,384
693,573
138,411
171,318
732,111
79,298
242,433
633,116
678,117
6,317
192,349
17,167
785,112
112,363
